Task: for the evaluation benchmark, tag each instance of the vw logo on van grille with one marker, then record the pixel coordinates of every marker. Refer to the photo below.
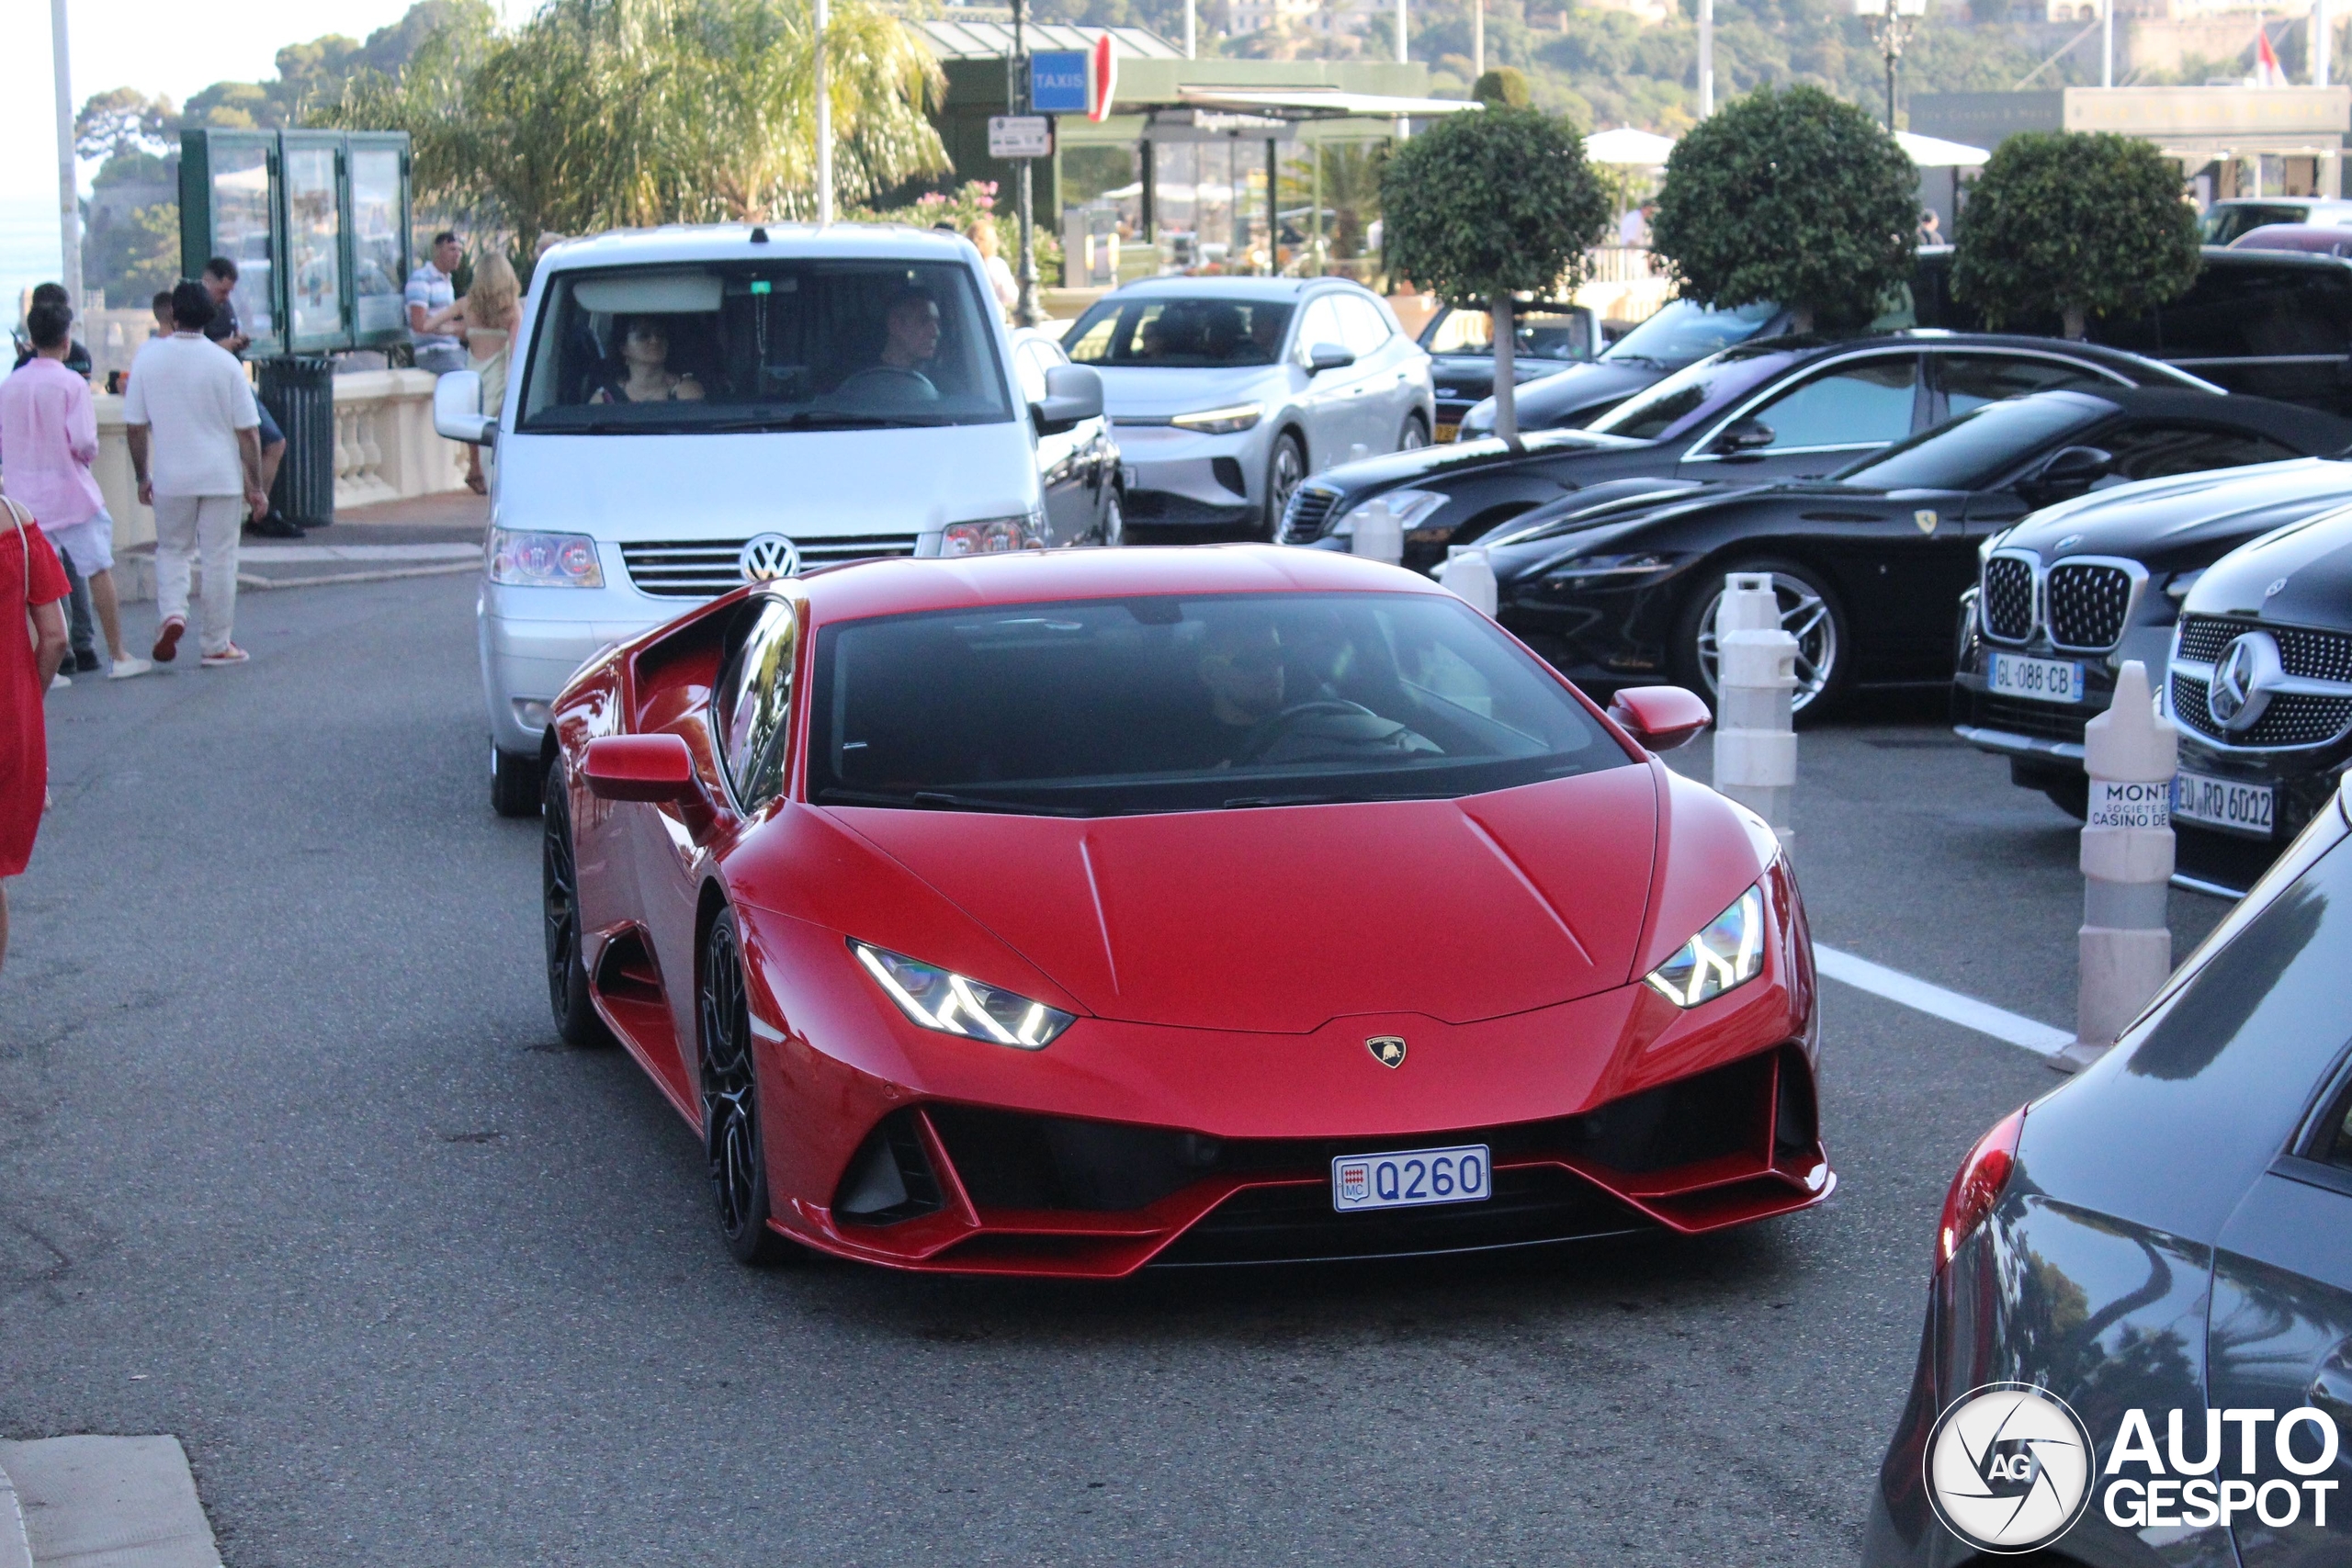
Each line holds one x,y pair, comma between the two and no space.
767,557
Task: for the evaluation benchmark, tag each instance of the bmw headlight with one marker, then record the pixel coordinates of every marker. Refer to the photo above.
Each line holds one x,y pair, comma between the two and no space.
1407,506
951,1003
524,559
1727,951
1220,422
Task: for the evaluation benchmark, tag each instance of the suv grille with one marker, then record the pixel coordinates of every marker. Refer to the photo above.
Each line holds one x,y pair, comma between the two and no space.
2086,604
704,569
2303,650
2008,598
1310,507
2292,718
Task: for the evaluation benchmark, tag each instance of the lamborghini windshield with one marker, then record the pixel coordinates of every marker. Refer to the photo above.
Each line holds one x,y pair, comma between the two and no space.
1162,703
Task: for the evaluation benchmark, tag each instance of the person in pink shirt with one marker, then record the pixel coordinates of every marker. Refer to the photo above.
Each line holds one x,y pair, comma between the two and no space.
49,438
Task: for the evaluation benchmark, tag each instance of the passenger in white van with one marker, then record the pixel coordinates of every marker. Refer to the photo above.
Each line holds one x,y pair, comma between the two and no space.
645,350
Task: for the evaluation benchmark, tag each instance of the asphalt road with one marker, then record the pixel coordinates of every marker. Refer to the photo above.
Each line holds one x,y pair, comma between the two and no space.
292,1166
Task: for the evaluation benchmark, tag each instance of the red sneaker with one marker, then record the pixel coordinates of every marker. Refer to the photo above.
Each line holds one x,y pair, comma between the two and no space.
167,640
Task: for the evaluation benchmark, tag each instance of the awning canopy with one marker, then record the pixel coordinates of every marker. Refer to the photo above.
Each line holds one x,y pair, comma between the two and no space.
1935,152
1309,103
1626,148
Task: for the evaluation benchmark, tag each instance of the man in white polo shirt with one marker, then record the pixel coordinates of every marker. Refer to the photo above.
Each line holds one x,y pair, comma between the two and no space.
195,446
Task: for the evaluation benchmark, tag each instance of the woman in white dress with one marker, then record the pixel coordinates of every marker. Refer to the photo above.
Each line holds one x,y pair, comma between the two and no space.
488,317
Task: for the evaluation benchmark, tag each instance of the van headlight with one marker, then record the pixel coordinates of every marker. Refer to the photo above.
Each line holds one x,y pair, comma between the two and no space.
1407,506
951,1004
1728,952
990,535
522,558
1220,422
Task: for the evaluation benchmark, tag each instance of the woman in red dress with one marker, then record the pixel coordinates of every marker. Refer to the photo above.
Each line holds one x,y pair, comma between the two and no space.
28,572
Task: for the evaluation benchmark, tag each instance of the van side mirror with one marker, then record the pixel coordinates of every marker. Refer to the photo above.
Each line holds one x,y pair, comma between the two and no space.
1073,395
456,408
1660,718
1328,357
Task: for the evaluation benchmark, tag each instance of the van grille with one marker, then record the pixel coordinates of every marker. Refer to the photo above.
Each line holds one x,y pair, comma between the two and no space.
704,569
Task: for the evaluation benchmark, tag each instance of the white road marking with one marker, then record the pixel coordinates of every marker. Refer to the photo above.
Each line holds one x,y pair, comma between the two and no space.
1949,1006
279,555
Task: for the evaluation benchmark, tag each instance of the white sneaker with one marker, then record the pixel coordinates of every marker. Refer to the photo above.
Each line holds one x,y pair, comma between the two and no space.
124,668
60,681
228,657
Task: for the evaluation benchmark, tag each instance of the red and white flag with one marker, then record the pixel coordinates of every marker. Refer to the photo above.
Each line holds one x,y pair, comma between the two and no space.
2265,61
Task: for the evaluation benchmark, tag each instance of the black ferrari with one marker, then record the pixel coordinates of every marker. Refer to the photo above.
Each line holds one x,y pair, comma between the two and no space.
1870,563
1788,408
2156,1261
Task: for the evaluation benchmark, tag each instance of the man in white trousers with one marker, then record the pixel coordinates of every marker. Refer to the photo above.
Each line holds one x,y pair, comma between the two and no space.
195,446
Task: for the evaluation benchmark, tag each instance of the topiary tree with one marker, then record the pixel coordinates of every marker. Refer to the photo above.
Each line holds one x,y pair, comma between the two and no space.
1505,86
2078,223
1487,204
1795,198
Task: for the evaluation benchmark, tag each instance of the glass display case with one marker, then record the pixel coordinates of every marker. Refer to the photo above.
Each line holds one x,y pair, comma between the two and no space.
228,203
315,242
378,225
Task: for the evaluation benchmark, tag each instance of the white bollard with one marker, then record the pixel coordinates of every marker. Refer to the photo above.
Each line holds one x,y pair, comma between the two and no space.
1470,577
1756,675
2125,943
1378,536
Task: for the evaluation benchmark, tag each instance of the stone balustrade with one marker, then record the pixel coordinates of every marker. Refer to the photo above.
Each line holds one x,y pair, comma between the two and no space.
386,448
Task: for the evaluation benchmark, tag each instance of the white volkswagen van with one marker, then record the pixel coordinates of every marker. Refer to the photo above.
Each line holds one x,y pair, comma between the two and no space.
689,409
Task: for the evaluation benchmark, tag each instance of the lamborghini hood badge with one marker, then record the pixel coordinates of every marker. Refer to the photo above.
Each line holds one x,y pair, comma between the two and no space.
1389,1050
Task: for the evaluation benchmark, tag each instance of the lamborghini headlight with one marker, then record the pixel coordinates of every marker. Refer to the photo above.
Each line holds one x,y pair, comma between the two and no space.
953,1004
1727,951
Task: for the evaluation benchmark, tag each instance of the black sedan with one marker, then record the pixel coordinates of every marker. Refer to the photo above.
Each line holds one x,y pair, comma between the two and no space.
2092,582
2148,1274
2261,688
1547,338
1784,409
1870,564
1678,334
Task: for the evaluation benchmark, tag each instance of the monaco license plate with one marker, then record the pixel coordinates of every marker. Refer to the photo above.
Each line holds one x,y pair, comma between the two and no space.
1447,430
1410,1178
2040,679
2224,803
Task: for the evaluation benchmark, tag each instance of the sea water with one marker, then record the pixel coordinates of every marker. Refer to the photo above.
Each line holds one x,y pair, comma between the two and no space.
29,249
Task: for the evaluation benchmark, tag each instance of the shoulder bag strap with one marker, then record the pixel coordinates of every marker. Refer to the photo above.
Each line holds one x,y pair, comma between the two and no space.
24,546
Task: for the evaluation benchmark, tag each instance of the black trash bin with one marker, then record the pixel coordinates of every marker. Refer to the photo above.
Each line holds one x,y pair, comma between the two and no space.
298,391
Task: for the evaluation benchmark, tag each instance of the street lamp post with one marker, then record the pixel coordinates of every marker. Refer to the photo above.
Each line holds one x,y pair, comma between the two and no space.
69,203
1891,27
1025,311
820,18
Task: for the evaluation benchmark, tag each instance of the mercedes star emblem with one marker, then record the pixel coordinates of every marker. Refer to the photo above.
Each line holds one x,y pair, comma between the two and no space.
2243,678
767,557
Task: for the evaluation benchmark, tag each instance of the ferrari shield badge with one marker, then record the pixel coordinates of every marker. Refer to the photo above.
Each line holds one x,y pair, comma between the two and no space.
1926,520
1389,1050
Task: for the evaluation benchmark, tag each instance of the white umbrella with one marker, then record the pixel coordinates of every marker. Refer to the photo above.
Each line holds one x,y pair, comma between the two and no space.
1627,147
1935,152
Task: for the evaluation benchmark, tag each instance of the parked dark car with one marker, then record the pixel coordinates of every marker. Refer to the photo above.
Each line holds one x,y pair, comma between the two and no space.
2226,219
1787,407
1547,338
2166,1234
2093,582
1870,563
2261,688
1681,334
2276,323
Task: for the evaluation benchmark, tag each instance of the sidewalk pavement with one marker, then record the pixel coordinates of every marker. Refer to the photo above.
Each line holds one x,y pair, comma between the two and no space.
430,536
92,1501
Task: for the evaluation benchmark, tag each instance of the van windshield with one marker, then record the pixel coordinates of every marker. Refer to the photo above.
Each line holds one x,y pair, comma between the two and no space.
784,345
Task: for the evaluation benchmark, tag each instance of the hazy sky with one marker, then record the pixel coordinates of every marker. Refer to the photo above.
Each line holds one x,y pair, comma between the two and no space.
157,48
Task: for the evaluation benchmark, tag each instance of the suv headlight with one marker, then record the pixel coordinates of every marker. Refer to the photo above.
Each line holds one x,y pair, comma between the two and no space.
1220,422
1407,506
942,999
526,560
990,535
1727,951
